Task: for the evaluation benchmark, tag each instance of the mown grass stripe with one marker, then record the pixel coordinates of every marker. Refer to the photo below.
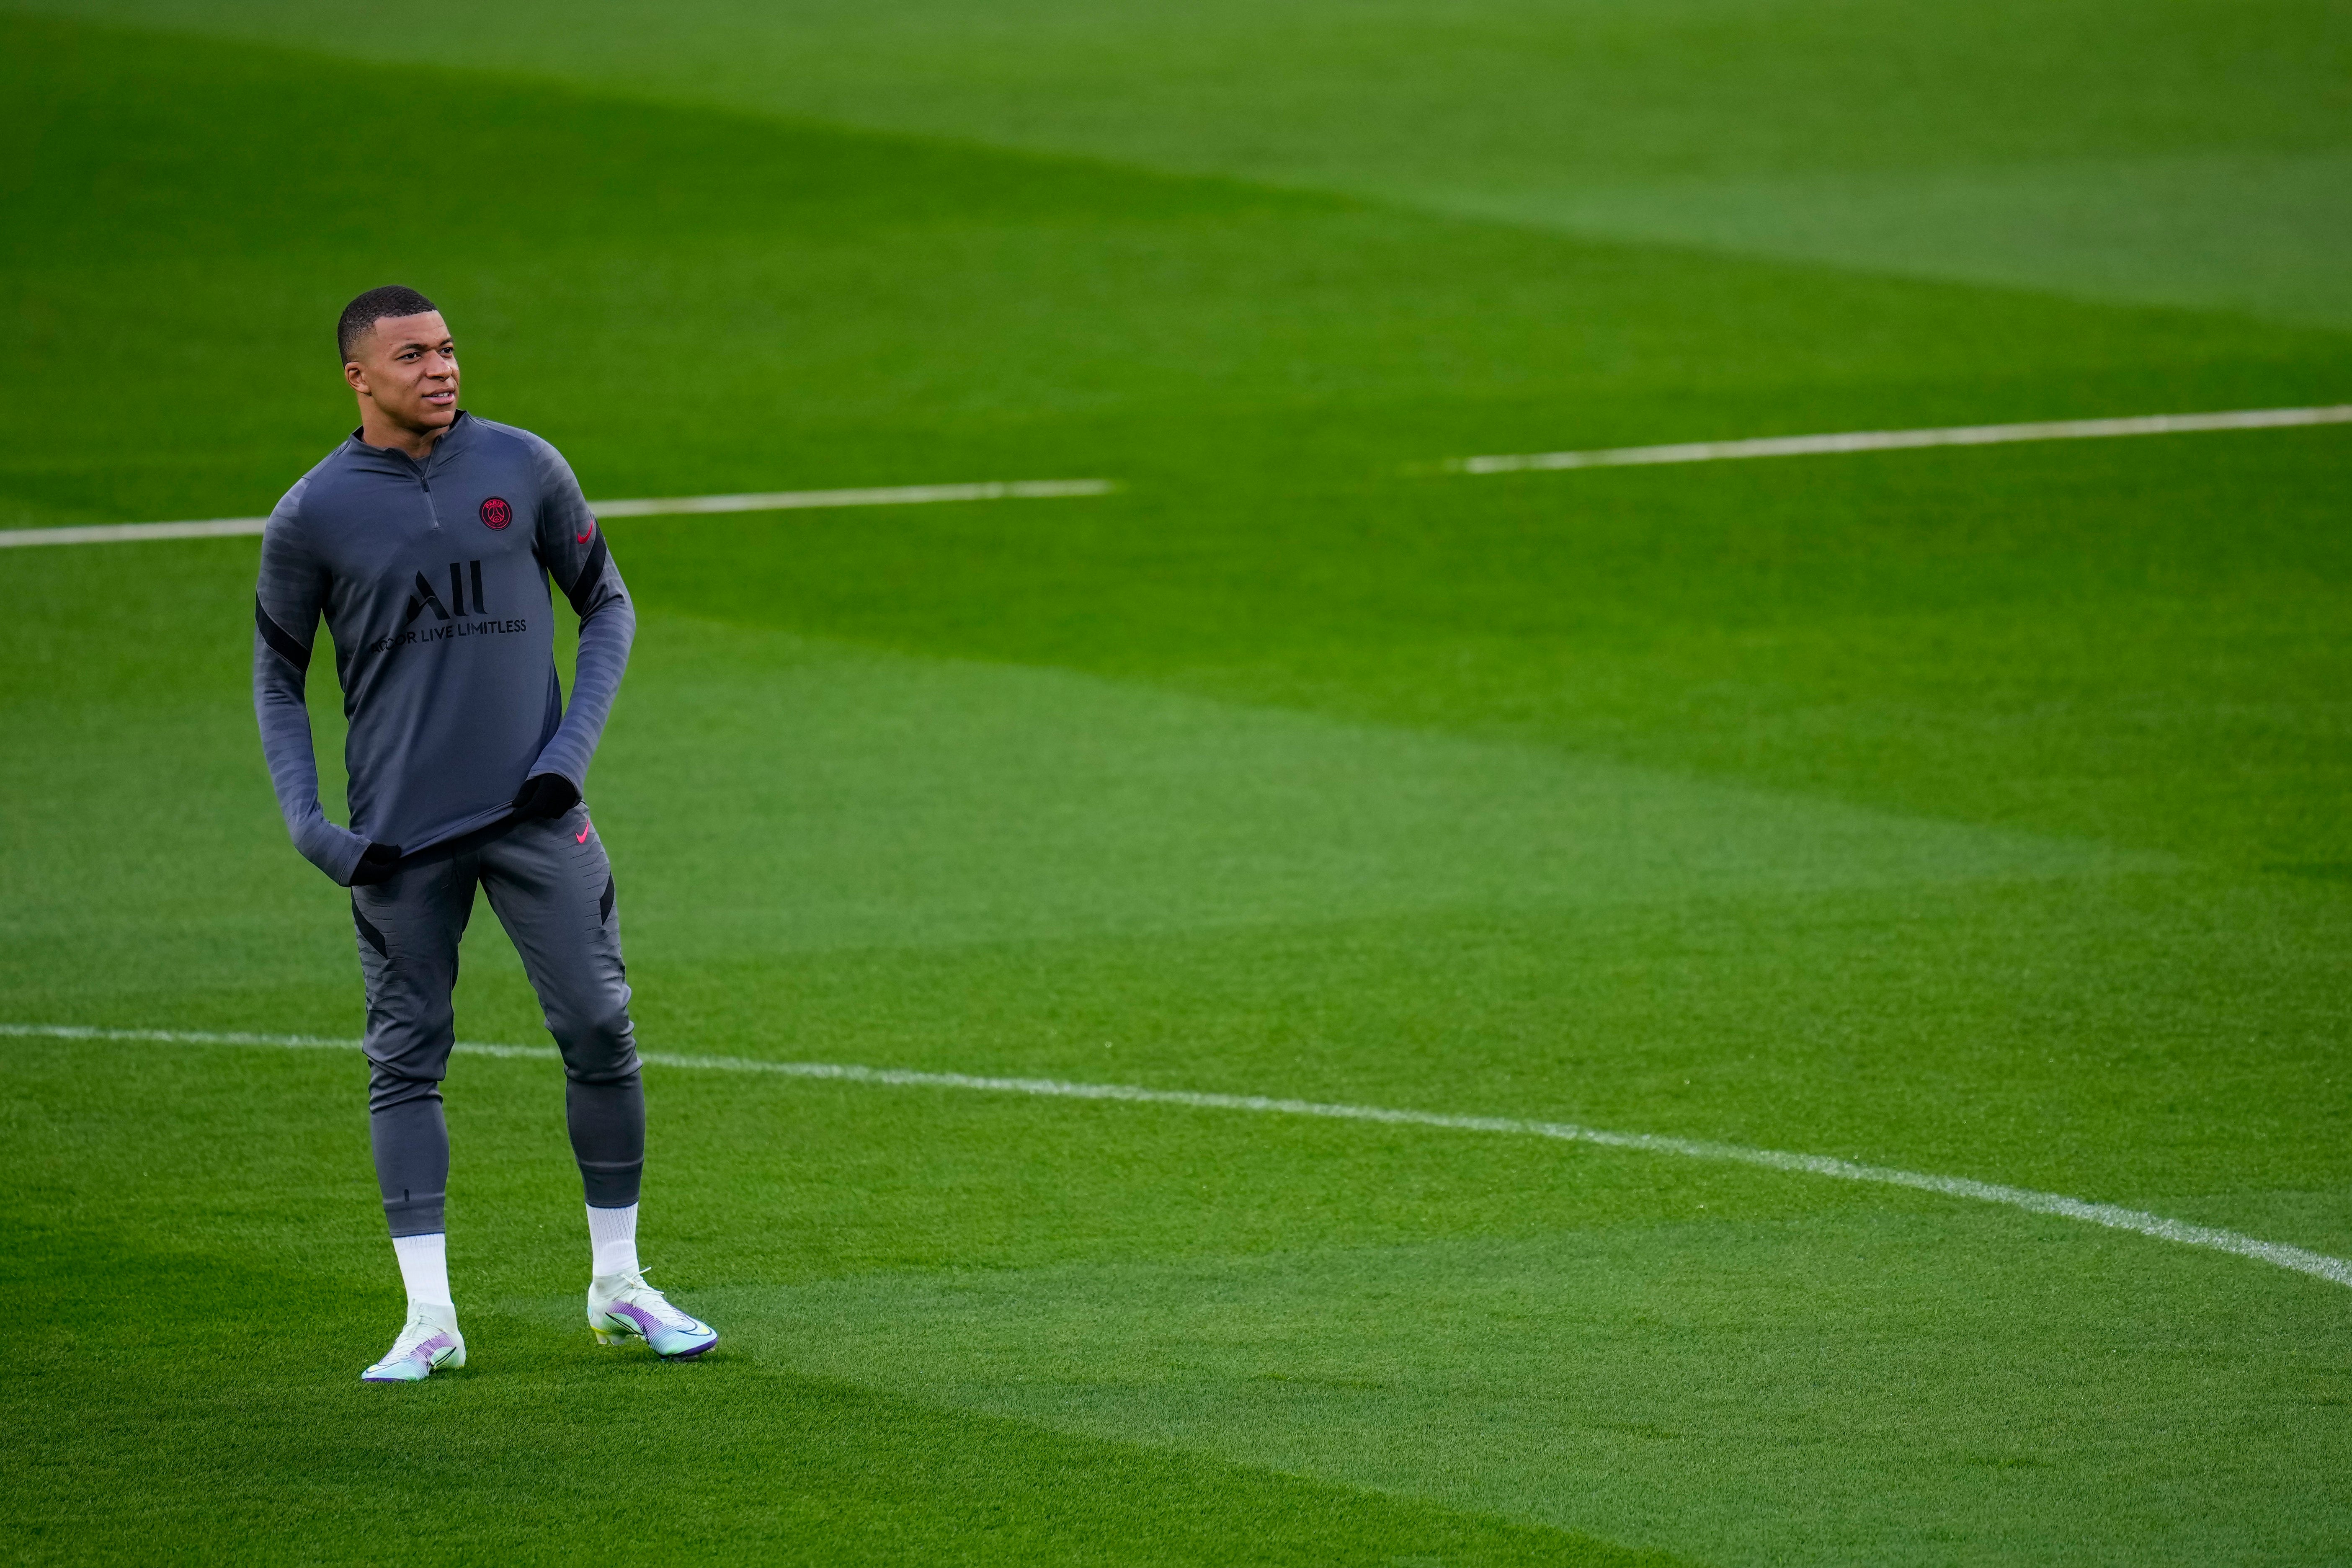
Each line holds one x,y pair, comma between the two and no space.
2113,1217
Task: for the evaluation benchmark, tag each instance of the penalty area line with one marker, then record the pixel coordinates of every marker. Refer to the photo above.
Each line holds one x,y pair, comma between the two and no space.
2113,1216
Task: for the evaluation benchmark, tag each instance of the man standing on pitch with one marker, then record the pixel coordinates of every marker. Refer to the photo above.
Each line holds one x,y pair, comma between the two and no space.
427,541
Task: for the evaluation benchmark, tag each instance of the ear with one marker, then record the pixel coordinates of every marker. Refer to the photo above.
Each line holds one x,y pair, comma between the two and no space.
355,377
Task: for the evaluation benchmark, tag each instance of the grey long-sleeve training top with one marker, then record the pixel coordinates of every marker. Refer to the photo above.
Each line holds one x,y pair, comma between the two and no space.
433,578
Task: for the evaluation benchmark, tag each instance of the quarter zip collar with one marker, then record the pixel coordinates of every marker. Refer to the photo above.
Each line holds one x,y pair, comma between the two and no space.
459,433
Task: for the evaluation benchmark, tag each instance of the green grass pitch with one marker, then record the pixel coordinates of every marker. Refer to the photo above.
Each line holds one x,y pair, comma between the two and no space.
1979,813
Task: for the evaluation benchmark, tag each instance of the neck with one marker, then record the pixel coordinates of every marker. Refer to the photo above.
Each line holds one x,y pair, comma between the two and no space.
378,431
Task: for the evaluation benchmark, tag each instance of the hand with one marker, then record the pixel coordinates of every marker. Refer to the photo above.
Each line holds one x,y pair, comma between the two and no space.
544,796
377,863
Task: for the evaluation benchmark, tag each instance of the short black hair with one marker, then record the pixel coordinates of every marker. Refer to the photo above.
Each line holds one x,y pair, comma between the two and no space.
371,307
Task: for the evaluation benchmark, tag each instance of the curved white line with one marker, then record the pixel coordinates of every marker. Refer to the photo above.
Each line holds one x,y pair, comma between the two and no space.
2317,1264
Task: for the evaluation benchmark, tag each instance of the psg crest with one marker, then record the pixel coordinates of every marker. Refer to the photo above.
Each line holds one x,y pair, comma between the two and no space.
496,513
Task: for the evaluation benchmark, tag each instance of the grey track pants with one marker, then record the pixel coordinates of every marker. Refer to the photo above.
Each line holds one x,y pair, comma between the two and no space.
552,887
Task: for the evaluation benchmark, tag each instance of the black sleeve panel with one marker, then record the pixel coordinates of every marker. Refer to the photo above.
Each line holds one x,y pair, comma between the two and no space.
583,590
279,642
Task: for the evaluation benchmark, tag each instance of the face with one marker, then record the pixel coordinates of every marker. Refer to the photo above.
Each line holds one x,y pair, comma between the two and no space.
407,367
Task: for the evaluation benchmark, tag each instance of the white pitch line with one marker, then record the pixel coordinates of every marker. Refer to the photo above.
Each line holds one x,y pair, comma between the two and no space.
1041,490
669,506
894,495
128,533
2318,1265
1897,440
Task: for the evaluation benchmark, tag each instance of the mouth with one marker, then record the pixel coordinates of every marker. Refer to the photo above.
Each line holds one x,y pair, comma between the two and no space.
442,399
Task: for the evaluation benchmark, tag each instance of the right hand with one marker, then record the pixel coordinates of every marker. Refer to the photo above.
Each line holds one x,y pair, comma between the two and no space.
377,863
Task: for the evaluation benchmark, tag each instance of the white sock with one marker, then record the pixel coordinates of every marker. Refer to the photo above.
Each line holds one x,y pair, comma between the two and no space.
425,1268
612,1235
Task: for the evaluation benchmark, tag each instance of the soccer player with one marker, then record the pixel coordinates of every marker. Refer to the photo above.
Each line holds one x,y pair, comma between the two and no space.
427,541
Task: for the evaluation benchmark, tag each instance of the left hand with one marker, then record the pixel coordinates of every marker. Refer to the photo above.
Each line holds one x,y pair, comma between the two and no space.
544,796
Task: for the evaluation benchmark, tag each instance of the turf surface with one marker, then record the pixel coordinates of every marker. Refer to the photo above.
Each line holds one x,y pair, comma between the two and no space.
1967,812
